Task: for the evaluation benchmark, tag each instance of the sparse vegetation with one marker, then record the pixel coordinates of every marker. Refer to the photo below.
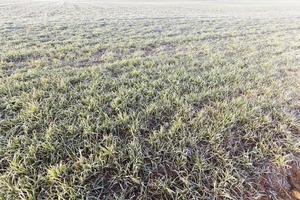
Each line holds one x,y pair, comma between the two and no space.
129,101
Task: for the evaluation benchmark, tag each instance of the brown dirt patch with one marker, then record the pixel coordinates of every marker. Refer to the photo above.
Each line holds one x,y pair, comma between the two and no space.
281,184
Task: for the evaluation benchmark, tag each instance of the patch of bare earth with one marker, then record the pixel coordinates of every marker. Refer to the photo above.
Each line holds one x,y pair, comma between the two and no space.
280,183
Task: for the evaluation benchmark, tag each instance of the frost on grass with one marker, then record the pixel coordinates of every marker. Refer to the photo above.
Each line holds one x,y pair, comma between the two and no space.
149,101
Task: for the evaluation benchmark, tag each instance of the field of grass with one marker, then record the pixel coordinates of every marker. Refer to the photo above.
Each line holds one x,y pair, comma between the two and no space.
149,101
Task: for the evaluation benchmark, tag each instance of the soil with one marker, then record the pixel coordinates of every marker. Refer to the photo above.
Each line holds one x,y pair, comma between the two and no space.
281,184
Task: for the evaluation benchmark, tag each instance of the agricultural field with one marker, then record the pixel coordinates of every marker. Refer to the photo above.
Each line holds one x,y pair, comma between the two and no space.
149,100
